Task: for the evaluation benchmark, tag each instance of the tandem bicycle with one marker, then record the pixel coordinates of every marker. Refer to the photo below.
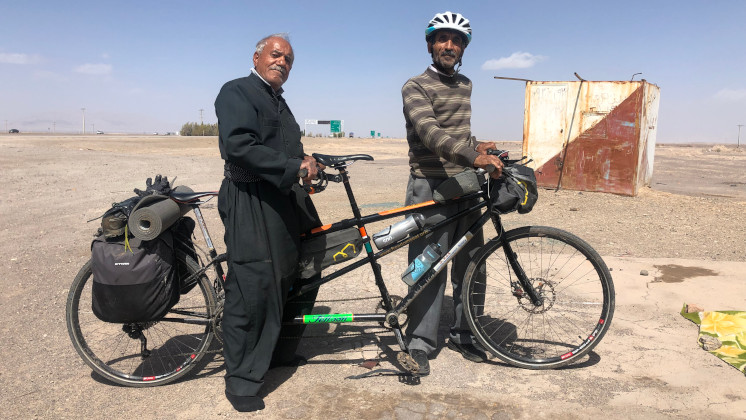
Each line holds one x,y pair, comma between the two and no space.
535,297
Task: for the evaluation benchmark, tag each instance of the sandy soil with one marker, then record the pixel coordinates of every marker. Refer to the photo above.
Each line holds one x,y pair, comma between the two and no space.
649,364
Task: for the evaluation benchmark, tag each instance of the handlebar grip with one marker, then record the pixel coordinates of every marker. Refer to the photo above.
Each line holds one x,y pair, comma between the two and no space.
303,173
490,168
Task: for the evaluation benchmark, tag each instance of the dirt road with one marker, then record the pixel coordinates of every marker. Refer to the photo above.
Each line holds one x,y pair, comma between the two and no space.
649,364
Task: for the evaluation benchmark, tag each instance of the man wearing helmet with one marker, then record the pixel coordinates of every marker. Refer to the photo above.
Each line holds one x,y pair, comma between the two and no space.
437,111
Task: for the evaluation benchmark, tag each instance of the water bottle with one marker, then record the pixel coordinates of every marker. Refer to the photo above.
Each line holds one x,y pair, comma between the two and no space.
398,231
421,264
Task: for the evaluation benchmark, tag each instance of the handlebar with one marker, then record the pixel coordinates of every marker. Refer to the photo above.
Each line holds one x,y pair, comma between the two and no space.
503,155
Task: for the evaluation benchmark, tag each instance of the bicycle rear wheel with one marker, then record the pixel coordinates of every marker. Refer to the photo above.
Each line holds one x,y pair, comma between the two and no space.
173,344
571,278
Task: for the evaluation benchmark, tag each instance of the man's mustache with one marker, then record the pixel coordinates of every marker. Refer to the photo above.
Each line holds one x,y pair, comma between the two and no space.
278,68
448,53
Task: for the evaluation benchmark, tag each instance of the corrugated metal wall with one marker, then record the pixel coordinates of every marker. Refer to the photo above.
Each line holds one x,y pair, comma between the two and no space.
591,136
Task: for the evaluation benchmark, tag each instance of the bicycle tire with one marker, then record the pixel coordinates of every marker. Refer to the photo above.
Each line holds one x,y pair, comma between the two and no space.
177,342
574,282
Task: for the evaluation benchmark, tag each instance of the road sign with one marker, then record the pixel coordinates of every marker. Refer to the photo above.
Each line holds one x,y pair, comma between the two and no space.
335,126
372,133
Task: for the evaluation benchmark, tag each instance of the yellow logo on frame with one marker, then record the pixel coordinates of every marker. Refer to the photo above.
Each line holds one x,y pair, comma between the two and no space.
342,252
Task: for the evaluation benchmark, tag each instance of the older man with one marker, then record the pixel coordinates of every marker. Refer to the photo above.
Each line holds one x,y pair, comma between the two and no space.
437,112
259,205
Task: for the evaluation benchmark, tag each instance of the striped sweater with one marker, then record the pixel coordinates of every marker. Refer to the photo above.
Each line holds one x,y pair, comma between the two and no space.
437,111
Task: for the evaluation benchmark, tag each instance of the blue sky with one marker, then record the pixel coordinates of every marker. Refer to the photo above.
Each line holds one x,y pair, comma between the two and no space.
144,66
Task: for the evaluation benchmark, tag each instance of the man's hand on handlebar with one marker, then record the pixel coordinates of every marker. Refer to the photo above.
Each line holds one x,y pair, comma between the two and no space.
484,146
311,169
485,160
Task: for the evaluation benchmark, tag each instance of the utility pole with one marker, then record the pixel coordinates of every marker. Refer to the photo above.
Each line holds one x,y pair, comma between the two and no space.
54,126
83,109
738,144
200,121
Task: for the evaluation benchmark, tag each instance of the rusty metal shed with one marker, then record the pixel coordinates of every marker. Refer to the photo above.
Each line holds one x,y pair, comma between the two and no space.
591,136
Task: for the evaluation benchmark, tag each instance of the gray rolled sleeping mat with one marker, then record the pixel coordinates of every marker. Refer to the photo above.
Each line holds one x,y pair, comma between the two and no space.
156,213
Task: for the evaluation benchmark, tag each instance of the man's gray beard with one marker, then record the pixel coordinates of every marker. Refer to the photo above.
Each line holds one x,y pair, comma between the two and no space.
441,66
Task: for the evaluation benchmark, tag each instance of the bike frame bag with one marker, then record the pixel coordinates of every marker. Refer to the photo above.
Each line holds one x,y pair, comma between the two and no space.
320,252
461,184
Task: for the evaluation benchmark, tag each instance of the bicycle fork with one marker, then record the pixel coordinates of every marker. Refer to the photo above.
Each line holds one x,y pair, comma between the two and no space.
523,285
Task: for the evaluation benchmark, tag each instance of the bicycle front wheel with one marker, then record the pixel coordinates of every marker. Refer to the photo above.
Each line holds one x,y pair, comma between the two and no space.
144,353
574,286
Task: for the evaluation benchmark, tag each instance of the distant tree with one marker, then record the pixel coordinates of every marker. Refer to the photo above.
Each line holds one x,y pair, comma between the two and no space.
197,129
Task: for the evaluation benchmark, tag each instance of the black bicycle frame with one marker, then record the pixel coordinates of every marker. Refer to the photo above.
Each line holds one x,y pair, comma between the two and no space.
372,257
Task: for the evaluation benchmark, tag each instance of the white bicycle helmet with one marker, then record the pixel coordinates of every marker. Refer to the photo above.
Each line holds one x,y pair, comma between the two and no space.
449,20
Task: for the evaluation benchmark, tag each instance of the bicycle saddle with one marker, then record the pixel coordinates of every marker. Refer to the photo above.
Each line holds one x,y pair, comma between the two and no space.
339,161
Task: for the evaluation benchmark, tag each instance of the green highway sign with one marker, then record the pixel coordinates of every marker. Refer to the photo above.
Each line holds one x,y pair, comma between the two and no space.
335,126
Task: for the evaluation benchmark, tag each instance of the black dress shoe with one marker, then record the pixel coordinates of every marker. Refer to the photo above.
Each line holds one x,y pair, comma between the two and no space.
245,403
420,357
469,351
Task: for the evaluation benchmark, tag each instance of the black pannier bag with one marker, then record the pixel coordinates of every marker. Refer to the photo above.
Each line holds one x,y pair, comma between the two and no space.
320,252
182,232
133,280
515,190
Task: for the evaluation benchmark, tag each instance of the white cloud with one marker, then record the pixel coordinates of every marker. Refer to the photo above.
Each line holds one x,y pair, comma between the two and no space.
17,58
48,75
96,69
731,95
517,60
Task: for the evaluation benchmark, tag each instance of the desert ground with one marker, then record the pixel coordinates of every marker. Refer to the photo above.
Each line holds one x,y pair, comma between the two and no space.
681,240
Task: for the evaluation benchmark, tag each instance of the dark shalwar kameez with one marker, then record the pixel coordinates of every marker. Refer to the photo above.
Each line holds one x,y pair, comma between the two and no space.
263,223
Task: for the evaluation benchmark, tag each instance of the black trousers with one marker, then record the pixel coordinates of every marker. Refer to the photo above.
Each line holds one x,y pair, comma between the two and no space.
262,231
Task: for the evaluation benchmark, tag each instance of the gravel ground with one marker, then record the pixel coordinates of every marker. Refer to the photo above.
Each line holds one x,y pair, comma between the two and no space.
693,213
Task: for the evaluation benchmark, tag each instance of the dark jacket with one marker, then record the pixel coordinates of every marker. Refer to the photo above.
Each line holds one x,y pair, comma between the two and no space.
258,132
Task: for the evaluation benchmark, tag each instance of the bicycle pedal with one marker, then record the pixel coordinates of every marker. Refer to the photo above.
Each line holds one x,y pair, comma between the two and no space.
406,361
